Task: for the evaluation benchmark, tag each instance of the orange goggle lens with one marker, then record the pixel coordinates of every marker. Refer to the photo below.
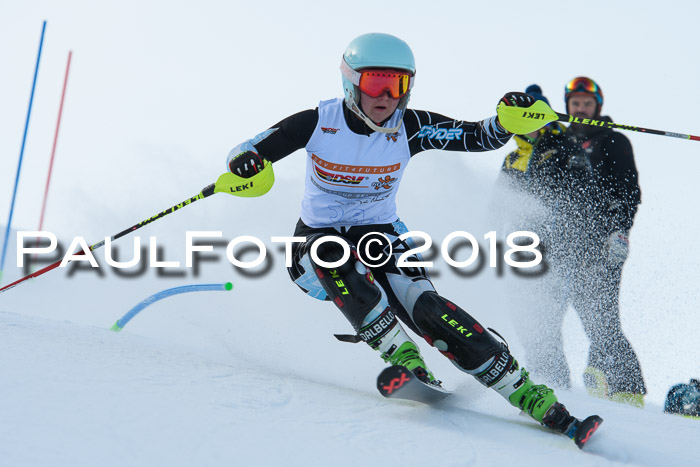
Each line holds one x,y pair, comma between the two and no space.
582,85
375,82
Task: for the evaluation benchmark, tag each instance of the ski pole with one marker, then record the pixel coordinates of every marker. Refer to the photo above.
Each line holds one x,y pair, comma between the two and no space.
618,126
523,120
257,185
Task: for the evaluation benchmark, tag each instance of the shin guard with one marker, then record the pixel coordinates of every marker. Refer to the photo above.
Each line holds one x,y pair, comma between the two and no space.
455,333
351,287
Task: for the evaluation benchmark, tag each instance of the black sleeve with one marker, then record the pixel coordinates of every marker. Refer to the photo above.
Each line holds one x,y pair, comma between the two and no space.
429,130
623,180
288,135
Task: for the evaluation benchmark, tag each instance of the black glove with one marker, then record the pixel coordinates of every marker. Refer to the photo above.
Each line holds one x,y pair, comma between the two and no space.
518,99
246,164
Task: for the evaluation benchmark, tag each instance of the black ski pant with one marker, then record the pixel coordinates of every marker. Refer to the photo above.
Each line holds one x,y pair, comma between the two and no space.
591,286
409,291
595,295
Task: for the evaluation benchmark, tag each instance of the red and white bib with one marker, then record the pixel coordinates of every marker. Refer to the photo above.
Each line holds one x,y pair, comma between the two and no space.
351,179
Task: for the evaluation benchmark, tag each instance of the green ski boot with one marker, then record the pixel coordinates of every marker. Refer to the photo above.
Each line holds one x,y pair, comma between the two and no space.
540,403
408,355
503,374
533,399
515,385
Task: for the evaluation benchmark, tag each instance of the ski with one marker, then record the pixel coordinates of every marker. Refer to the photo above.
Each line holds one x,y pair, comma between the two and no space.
582,430
559,420
397,382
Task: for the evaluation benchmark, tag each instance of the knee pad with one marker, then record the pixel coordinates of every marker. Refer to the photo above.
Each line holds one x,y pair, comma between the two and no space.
350,286
454,332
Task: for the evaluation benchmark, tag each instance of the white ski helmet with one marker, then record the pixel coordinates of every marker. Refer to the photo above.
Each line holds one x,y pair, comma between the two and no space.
375,50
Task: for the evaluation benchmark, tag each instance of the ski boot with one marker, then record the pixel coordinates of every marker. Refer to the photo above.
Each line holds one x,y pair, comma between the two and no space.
559,419
533,399
635,400
408,356
597,386
539,402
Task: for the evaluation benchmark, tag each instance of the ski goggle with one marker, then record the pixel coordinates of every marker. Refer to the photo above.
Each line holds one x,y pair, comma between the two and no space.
374,82
583,84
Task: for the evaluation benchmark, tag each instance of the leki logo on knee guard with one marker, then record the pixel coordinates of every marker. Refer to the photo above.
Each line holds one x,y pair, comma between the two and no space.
455,324
339,282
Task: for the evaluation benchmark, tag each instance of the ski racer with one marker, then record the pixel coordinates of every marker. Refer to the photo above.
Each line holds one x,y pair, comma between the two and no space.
358,148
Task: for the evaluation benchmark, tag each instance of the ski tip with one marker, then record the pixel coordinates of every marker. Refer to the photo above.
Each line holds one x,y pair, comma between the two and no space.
392,379
586,429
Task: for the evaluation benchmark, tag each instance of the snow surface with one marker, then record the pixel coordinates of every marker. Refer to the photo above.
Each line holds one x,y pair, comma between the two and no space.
254,376
82,395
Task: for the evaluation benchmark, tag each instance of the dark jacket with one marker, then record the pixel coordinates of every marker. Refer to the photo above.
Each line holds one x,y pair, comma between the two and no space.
591,182
596,167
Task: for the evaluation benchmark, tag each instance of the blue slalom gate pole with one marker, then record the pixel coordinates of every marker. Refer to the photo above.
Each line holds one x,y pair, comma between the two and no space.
21,154
121,322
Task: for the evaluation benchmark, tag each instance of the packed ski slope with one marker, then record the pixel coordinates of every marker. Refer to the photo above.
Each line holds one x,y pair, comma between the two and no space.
82,395
254,376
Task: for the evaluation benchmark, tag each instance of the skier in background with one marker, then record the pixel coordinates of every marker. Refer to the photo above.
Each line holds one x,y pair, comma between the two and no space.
358,148
589,185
